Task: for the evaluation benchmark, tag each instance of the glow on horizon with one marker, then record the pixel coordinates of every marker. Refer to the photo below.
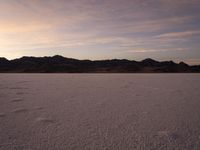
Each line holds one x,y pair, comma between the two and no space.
101,29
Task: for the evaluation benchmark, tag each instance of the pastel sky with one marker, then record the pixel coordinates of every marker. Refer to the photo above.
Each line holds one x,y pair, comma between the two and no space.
101,29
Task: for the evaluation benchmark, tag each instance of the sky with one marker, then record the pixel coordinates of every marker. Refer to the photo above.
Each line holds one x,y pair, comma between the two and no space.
101,29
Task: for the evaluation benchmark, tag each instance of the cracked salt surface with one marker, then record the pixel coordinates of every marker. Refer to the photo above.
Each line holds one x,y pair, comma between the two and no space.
99,111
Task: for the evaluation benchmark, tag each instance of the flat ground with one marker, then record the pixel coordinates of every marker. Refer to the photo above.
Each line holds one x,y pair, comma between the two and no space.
99,111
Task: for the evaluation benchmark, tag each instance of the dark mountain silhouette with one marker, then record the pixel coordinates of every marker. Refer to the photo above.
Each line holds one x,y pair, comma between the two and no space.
61,64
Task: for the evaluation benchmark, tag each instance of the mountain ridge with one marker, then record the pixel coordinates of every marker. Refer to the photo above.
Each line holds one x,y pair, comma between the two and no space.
60,64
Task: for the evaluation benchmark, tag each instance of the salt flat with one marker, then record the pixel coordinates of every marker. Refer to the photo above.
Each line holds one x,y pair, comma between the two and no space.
99,111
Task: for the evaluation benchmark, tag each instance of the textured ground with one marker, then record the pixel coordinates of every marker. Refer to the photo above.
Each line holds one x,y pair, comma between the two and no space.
99,111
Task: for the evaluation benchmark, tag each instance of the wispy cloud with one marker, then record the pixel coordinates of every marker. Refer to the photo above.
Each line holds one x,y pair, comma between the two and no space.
98,27
154,50
193,61
184,34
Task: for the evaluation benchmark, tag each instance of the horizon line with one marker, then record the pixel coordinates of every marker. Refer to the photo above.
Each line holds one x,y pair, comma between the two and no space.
178,62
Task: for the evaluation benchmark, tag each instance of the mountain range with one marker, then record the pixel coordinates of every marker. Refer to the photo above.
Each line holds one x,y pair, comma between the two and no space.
60,64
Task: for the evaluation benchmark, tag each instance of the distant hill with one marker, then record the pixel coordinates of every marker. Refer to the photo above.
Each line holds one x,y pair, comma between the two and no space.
59,64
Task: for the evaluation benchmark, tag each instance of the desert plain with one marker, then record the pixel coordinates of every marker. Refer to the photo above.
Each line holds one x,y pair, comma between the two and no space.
99,111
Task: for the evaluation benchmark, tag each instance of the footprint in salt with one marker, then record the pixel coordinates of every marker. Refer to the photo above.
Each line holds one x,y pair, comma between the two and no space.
170,135
137,95
38,108
20,110
44,120
20,93
163,133
174,136
17,100
2,115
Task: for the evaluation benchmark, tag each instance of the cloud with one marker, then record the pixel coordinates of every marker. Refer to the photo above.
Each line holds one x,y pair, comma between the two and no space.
183,34
97,26
193,61
139,50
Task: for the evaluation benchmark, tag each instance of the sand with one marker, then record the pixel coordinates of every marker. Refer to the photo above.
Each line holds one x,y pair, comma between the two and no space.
99,111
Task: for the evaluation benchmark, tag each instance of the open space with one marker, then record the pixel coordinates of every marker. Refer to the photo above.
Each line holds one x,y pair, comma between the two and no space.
99,111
